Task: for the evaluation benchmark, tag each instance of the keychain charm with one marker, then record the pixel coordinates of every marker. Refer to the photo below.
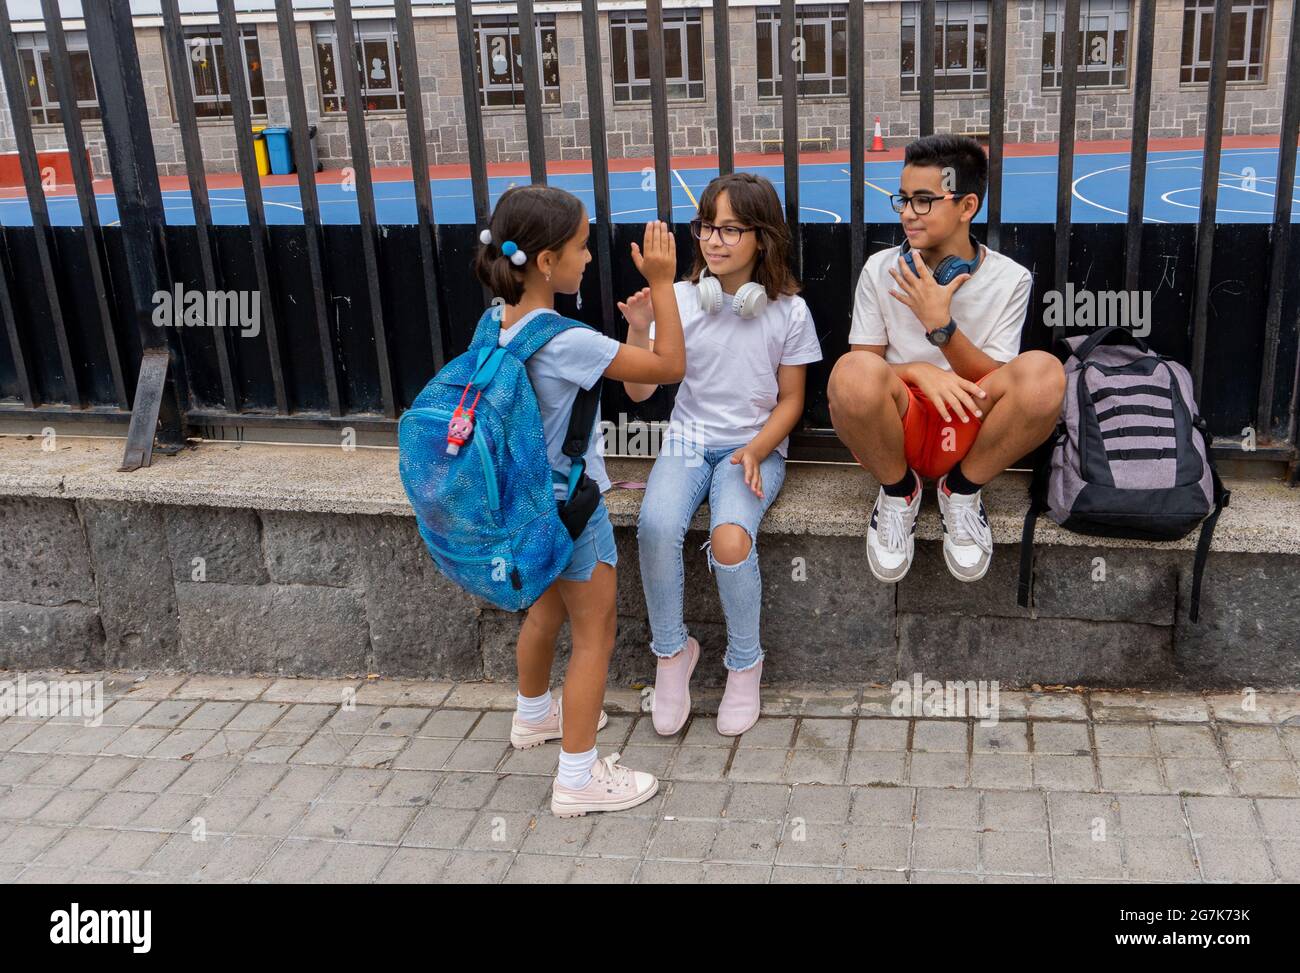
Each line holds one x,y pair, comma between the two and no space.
461,425
459,429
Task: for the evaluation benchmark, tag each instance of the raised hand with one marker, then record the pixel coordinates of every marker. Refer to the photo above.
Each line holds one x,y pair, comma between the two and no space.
656,257
638,310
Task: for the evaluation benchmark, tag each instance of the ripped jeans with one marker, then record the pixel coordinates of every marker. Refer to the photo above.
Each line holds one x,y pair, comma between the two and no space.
682,478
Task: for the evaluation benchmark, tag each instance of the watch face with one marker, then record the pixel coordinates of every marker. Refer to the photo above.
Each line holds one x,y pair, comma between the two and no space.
939,336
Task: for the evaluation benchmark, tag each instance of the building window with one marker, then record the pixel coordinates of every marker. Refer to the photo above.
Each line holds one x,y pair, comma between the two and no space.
683,55
209,84
1247,29
1103,43
379,66
821,50
38,74
961,46
501,60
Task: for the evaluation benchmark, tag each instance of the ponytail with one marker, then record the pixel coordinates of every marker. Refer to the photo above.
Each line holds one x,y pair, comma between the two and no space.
494,269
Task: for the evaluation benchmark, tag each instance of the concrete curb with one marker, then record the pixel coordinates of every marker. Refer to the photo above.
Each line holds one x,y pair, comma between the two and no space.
818,499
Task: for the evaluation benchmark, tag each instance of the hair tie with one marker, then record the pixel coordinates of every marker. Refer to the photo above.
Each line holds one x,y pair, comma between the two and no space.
485,237
511,250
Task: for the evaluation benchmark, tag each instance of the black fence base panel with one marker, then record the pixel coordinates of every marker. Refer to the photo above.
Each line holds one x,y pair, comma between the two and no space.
1235,338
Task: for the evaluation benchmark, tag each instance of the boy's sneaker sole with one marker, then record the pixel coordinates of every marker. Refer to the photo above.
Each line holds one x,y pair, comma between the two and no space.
954,570
871,565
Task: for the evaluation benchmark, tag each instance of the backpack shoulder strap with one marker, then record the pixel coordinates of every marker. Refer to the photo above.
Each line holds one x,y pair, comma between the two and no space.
1037,504
539,331
581,421
583,495
1202,553
1222,497
488,330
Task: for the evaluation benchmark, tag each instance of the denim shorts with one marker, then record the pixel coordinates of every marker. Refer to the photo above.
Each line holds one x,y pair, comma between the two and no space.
594,544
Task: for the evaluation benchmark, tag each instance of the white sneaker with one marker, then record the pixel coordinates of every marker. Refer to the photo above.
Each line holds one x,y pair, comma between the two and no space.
967,539
612,787
524,734
891,535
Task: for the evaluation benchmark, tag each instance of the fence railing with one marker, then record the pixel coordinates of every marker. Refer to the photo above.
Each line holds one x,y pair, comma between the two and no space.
355,319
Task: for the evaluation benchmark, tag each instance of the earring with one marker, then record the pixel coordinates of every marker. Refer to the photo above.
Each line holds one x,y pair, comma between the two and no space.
579,300
548,277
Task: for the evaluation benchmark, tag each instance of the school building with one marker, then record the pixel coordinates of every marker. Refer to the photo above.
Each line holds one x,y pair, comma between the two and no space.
1259,36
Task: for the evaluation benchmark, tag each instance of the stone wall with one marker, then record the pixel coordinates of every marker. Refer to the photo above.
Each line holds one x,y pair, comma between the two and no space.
1177,109
99,584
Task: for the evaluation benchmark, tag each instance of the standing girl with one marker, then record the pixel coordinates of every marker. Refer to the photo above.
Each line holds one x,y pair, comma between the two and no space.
536,247
749,339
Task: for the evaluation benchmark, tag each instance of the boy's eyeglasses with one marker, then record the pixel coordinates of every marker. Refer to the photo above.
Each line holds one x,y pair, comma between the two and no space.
729,235
920,203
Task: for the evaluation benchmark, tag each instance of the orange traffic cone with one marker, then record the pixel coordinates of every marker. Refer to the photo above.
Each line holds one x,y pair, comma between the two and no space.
877,142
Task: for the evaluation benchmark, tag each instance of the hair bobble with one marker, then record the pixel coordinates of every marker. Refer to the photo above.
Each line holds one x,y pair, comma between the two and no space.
511,250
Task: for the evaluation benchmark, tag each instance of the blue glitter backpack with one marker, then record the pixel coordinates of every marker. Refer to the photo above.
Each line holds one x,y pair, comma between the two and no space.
472,458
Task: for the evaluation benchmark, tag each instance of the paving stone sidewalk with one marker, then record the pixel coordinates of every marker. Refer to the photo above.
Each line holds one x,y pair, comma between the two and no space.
417,782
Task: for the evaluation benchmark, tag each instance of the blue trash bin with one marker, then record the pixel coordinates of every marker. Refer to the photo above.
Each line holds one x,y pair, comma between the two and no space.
277,147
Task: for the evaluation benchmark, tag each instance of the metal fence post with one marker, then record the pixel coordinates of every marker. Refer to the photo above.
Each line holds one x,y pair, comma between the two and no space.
156,405
1279,237
1215,98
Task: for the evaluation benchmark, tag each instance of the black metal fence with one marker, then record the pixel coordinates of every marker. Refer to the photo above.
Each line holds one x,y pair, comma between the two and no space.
354,319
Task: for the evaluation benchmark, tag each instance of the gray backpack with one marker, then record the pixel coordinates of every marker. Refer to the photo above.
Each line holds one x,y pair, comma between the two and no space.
1130,457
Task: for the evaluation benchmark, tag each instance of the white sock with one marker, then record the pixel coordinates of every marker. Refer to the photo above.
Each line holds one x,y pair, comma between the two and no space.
533,709
575,768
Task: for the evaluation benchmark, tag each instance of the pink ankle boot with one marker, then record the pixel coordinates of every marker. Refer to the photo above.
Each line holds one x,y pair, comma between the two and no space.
738,710
672,698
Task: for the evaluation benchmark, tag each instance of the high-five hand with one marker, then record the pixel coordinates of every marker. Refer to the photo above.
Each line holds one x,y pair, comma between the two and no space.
638,310
656,258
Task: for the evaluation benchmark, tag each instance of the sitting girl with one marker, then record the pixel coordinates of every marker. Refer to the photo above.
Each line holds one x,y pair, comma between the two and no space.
749,338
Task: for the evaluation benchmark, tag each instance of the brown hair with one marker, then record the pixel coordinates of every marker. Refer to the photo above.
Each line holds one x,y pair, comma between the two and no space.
536,218
754,201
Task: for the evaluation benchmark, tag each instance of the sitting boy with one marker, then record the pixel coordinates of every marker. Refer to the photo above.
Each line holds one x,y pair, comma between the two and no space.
934,385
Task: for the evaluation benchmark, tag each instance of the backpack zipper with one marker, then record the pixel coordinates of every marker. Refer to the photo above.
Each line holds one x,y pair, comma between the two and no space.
516,581
485,456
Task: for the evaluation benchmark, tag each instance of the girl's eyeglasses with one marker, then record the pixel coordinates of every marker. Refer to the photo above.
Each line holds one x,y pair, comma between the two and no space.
920,204
730,235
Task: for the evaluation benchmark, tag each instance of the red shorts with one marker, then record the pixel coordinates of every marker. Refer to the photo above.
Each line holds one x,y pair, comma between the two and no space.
932,446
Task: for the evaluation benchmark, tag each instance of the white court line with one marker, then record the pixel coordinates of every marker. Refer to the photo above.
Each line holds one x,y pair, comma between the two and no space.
1074,186
677,206
1222,209
867,182
651,209
814,209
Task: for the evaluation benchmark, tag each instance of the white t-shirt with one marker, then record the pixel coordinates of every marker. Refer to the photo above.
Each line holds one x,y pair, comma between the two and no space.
989,310
573,358
731,363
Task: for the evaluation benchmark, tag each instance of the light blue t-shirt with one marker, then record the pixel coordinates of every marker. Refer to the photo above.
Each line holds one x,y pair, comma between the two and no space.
572,359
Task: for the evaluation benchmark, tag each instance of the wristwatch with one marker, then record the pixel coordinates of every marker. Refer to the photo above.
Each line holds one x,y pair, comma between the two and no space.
939,336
